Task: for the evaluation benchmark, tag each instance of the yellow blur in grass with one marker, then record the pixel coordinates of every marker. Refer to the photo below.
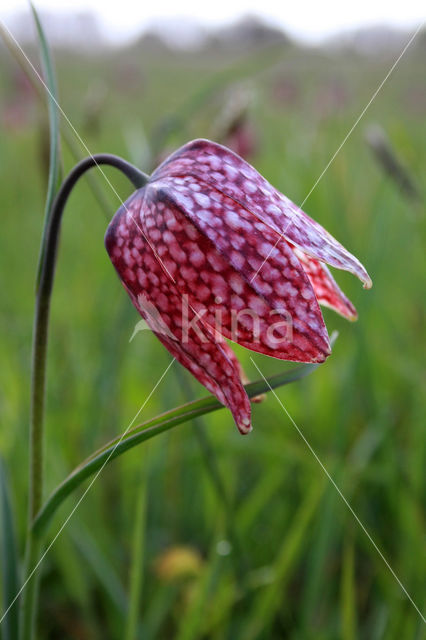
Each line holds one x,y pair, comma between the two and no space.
178,562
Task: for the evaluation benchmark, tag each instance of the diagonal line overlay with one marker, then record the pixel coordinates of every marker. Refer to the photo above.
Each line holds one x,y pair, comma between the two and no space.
172,361
84,145
92,482
345,139
345,500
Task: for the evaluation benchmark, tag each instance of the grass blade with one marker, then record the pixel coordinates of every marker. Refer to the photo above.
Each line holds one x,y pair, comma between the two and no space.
98,562
348,593
137,563
270,600
212,467
55,173
9,560
190,623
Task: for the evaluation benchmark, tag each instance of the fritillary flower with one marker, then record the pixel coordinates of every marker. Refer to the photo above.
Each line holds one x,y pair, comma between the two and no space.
208,250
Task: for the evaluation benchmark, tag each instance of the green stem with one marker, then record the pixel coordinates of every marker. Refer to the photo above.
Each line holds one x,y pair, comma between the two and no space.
38,368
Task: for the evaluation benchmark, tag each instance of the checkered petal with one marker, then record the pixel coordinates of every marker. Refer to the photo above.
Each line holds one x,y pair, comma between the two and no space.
159,302
326,289
212,248
213,164
209,250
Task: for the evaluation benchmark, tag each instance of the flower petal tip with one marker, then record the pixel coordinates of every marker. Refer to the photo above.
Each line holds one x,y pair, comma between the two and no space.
260,398
321,358
367,282
324,354
245,426
363,275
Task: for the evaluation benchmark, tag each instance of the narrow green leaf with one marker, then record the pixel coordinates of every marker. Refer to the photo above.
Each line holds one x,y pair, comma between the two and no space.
250,509
348,593
271,599
55,173
148,430
191,622
161,603
218,482
137,562
101,566
316,588
9,561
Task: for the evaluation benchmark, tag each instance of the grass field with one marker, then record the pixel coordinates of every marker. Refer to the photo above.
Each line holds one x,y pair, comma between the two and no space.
275,553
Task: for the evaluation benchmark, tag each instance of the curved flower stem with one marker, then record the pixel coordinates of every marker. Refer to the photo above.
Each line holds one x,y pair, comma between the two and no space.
38,366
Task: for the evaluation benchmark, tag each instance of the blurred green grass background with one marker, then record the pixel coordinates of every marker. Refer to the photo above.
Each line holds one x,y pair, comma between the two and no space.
299,566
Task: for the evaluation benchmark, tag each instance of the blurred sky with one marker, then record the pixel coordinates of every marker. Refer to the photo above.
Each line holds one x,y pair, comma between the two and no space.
309,21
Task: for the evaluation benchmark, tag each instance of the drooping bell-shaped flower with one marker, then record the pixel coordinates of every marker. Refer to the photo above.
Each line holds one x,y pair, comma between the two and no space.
209,250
